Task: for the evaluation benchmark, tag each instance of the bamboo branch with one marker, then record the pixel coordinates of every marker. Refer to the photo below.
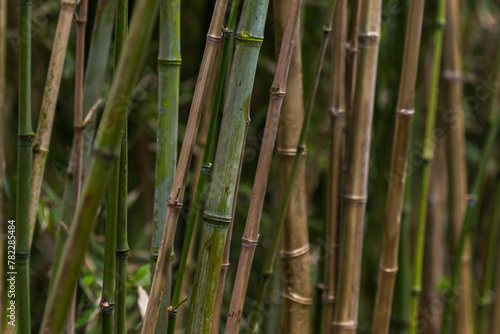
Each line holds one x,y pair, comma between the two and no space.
405,109
46,117
176,196
106,148
358,153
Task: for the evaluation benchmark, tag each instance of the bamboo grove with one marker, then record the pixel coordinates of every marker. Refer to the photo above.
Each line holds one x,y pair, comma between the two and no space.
250,166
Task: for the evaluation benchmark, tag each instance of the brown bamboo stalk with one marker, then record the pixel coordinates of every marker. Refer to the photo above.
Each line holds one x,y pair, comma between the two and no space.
434,254
251,232
337,113
294,253
405,109
352,58
49,101
354,201
198,153
177,194
457,172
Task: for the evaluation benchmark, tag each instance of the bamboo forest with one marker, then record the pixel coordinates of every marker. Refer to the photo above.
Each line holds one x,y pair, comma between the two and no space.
250,166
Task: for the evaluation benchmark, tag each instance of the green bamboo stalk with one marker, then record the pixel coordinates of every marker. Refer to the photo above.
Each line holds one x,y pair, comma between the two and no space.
358,153
169,62
107,303
427,155
24,160
471,203
405,109
122,247
218,209
457,165
251,232
485,288
205,169
106,147
3,34
174,202
49,100
337,114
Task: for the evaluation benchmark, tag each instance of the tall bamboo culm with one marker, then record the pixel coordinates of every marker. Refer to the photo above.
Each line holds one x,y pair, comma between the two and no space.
106,148
218,208
251,232
121,248
295,263
354,201
427,156
24,159
397,178
107,303
169,62
337,115
463,241
3,34
49,100
174,201
457,168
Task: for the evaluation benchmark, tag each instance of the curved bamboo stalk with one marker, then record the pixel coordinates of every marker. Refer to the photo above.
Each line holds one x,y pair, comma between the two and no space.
354,201
485,292
218,209
462,245
49,100
169,63
294,252
397,179
24,160
251,232
176,196
427,155
106,148
337,114
457,168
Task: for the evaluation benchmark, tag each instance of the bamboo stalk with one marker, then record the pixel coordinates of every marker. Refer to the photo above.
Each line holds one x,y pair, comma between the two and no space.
457,169
251,232
218,209
294,252
337,114
169,62
358,151
427,155
106,148
485,293
176,196
495,324
405,109
204,171
24,160
3,59
352,58
434,253
46,117
462,245
122,247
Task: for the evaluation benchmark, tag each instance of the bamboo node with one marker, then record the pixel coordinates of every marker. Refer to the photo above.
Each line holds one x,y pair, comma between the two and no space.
454,76
216,219
345,324
248,241
296,252
205,169
472,200
106,306
368,38
169,62
337,112
404,112
107,156
352,50
244,36
288,151
329,299
27,137
355,199
22,255
296,298
389,271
